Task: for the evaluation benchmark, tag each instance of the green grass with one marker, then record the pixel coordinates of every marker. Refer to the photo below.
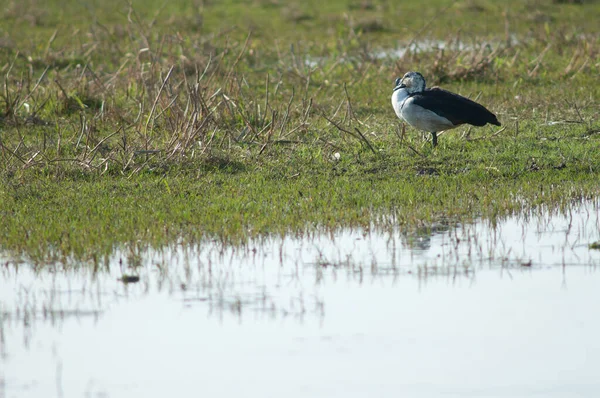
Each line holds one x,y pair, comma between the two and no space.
150,124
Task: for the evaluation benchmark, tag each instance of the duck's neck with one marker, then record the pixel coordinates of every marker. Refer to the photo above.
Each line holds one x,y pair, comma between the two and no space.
398,97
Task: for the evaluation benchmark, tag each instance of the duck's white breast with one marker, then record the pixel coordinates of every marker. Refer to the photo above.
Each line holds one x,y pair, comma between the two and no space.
423,119
398,98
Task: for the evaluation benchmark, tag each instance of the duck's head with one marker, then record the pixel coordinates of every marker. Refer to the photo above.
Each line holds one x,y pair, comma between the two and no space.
413,82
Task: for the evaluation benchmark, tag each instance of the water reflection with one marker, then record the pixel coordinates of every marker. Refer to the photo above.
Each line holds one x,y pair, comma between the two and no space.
478,309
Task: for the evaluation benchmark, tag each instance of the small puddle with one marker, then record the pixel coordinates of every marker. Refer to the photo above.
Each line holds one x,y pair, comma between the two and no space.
423,46
478,310
415,47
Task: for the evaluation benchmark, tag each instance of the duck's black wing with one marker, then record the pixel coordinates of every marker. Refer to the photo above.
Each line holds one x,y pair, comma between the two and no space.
454,107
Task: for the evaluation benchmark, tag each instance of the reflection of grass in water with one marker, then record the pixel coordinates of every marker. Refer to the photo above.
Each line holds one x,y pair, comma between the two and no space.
160,124
206,276
509,243
225,280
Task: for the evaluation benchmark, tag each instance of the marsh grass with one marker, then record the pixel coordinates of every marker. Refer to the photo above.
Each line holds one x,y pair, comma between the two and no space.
122,123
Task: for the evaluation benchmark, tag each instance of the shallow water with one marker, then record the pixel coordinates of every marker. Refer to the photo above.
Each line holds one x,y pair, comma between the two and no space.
457,310
418,46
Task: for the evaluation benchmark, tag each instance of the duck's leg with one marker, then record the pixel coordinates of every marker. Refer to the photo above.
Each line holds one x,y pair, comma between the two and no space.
434,138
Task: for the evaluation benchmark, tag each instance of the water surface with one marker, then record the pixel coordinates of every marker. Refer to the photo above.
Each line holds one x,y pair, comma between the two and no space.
479,310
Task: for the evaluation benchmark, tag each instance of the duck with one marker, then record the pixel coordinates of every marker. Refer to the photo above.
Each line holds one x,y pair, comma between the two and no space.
434,109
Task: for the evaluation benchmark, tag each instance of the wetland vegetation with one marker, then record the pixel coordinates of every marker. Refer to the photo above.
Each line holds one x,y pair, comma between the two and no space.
150,123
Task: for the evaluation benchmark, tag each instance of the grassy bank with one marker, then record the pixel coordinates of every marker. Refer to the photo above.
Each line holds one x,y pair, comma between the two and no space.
150,123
